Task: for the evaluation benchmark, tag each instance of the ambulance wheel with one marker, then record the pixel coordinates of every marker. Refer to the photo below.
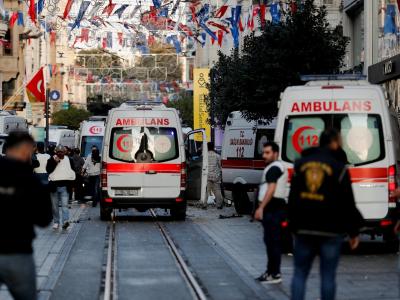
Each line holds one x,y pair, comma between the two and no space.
241,201
105,213
178,213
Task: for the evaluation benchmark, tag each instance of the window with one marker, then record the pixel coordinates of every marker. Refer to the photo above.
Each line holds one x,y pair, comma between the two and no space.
362,135
88,142
161,143
262,136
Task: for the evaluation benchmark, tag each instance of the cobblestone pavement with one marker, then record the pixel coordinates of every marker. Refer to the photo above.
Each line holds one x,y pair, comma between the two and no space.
51,248
369,273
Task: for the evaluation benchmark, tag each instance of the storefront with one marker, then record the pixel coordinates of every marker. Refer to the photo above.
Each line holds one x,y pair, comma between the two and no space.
386,42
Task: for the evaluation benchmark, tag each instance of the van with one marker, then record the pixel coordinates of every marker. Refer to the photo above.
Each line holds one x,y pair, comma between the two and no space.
145,161
60,135
241,158
370,133
10,122
91,134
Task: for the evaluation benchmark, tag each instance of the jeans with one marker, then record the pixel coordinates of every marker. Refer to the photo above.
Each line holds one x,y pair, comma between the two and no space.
94,186
17,272
273,240
59,198
215,187
305,250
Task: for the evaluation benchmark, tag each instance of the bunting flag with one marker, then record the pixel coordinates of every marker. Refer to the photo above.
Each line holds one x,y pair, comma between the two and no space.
262,15
220,35
109,8
81,13
53,37
67,9
35,87
121,10
50,70
221,11
293,6
13,18
174,40
39,6
85,35
20,18
220,26
104,43
94,9
234,20
120,38
32,11
157,3
109,40
275,11
134,11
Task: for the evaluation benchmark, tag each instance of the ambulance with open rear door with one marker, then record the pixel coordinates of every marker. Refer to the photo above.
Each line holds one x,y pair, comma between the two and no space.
370,133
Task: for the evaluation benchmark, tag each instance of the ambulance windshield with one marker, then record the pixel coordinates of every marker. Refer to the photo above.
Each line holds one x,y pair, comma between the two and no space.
144,144
362,135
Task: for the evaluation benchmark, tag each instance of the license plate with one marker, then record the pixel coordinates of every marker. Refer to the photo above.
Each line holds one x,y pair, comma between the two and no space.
126,192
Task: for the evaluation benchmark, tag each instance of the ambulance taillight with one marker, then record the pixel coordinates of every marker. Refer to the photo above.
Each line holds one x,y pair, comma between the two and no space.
104,182
183,176
392,185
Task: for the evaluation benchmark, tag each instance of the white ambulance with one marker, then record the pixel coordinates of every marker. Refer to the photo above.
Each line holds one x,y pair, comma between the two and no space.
370,132
91,133
145,160
242,163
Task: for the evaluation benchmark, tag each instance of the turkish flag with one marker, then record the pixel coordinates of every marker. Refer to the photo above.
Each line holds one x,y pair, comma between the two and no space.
35,88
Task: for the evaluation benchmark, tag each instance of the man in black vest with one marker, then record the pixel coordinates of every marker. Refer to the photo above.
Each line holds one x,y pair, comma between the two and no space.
321,212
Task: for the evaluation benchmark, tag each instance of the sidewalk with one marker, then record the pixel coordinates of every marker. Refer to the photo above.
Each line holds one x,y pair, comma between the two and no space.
51,248
371,273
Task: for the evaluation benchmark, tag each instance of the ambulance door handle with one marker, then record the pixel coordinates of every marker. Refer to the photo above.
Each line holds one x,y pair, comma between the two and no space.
151,172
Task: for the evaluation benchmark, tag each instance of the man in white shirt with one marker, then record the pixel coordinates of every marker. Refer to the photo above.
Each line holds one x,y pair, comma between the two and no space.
271,210
61,175
42,157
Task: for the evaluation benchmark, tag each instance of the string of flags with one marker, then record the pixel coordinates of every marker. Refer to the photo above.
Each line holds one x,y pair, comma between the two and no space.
128,25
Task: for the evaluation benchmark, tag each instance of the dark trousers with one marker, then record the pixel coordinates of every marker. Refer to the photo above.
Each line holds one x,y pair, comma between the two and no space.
306,248
273,239
17,272
78,187
94,186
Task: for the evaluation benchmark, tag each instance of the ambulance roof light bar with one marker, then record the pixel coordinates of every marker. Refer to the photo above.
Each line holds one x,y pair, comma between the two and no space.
144,102
332,77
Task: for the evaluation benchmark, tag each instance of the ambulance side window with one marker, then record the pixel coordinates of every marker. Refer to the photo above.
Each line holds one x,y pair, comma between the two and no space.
262,136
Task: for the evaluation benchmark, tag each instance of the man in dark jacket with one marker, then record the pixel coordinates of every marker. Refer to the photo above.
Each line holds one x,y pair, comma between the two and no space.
321,212
25,201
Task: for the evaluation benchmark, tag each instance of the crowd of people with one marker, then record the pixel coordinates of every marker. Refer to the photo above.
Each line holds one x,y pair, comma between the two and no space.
68,177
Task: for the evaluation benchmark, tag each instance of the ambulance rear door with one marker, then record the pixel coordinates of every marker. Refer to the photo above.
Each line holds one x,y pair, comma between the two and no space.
162,173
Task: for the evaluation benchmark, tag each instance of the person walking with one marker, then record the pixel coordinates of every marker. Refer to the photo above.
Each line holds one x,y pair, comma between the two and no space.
42,158
25,203
214,177
321,211
78,163
61,175
92,168
271,210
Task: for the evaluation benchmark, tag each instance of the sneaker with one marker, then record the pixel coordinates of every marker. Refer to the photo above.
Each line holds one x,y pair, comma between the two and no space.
273,279
55,226
65,226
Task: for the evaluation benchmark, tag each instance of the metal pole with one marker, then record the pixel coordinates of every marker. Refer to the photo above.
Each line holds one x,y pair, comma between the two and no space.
47,112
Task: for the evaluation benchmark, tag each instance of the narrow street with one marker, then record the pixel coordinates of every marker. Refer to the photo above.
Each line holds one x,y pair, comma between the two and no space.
223,255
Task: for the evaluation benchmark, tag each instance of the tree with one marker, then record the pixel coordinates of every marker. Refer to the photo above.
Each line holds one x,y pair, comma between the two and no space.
71,117
252,81
98,108
184,105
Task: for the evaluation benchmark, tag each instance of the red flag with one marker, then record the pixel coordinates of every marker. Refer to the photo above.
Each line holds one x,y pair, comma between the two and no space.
109,8
35,87
104,43
67,8
53,37
221,11
262,14
220,35
13,18
32,11
85,35
120,36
